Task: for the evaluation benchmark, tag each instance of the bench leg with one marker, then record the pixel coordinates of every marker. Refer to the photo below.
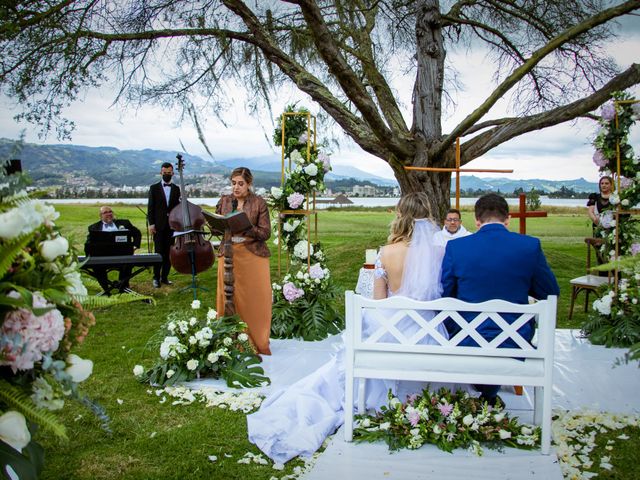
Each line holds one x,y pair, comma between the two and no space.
348,408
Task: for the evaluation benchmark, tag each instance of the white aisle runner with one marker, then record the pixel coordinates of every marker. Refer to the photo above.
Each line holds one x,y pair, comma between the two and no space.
584,377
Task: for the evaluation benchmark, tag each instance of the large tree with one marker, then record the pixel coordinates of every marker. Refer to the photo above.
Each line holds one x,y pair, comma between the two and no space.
549,60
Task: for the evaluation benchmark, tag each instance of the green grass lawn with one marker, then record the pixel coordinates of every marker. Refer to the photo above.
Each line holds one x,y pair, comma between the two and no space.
153,440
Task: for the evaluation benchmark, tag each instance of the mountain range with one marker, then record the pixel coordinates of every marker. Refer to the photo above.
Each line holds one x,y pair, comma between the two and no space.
57,165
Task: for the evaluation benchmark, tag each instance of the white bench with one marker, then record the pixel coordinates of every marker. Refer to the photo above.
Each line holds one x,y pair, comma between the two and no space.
402,358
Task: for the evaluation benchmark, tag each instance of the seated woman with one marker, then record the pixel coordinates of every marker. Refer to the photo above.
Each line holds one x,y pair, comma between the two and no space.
599,202
295,421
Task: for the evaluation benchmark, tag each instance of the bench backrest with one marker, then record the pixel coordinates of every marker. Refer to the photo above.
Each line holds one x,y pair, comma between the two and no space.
385,316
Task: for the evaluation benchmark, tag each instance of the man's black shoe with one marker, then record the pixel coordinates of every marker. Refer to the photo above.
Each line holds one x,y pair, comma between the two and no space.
167,282
156,283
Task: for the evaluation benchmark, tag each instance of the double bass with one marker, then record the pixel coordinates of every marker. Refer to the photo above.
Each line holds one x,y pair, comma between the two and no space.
190,252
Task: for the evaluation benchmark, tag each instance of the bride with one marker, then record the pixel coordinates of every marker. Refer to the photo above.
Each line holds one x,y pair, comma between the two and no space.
295,421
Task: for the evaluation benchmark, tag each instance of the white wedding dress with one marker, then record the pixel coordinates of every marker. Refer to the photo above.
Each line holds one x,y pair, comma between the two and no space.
295,421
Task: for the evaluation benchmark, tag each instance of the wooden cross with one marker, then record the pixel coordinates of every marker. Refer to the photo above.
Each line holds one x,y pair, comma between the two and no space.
457,170
522,214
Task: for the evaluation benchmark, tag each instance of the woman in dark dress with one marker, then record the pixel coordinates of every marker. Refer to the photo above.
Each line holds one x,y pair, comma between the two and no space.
599,202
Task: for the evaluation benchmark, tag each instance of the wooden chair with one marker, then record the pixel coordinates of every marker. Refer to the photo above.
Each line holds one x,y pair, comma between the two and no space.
590,282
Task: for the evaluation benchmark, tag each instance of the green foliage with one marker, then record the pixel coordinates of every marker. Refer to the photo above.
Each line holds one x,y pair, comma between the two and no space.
533,200
244,371
15,398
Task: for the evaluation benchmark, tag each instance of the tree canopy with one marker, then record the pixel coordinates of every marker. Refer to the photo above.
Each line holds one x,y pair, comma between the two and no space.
549,55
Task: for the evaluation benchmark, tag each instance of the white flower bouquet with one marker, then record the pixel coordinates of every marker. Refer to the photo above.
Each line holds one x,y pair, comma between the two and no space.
191,347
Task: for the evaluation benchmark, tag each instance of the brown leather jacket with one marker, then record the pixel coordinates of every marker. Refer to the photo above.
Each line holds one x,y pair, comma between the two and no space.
256,209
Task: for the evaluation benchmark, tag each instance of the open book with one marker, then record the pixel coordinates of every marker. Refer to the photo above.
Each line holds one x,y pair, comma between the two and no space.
237,222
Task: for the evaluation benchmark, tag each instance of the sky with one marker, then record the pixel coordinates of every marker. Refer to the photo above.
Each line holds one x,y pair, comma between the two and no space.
558,153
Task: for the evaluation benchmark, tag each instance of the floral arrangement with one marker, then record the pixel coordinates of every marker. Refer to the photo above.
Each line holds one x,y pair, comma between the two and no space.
192,347
615,320
42,316
447,419
304,302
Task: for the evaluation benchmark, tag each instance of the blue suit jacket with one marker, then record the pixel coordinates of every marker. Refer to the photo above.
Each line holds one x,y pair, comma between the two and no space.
495,263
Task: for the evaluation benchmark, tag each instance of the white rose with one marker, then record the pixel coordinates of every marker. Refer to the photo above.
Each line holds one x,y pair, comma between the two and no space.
211,314
195,304
526,431
366,423
138,370
504,434
499,416
437,430
14,431
51,249
311,170
313,183
276,192
192,364
296,157
625,202
288,227
385,426
468,420
243,337
192,340
75,286
394,402
170,373
212,358
78,368
227,341
193,321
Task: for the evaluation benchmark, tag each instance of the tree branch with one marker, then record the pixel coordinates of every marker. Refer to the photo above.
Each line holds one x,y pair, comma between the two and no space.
526,67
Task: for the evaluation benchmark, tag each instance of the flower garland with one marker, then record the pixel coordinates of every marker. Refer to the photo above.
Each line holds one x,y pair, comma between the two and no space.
615,320
304,302
447,419
193,347
42,316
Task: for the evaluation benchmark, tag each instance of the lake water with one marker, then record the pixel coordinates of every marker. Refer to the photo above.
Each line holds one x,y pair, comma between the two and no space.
357,201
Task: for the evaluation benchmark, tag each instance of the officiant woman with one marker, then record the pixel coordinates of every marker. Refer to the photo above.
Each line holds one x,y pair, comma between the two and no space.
252,286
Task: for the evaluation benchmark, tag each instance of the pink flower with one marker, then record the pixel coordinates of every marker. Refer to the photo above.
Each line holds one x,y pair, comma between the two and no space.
25,337
608,111
413,417
445,409
326,162
295,200
291,292
412,398
316,271
635,248
599,159
625,182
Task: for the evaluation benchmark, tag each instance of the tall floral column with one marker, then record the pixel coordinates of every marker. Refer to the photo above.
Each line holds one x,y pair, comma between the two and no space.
615,320
305,299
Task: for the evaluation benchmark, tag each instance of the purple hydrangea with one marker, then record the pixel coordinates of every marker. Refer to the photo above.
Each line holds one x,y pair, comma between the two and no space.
608,111
607,220
599,159
326,162
295,200
635,249
303,138
625,182
291,292
316,271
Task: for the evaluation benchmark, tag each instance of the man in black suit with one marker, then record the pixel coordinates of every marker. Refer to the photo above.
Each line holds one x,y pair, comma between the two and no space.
163,196
108,224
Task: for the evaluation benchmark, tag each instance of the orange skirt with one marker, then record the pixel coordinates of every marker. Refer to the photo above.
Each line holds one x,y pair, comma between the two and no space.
252,295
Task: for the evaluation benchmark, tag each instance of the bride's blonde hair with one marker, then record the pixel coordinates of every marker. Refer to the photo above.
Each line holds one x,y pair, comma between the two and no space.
411,206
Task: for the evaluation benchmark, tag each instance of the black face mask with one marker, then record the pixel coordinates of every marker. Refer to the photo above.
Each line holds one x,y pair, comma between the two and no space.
167,177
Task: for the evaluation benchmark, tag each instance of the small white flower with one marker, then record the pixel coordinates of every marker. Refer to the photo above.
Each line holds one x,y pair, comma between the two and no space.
313,183
526,430
120,401
212,314
195,304
138,370
170,373
394,402
366,423
468,419
51,249
278,466
311,170
276,192
227,342
78,368
212,458
14,431
212,358
192,364
193,321
243,337
504,434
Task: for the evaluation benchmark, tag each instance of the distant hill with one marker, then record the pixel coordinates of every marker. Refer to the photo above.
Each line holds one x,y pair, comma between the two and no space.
57,165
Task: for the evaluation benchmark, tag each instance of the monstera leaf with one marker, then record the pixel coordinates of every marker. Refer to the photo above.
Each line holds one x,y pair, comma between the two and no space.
244,371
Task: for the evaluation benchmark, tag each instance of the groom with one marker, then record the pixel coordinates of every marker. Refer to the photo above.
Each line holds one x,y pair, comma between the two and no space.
496,264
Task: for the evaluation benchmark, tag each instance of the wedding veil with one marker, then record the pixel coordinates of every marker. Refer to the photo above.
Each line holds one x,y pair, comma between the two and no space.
421,272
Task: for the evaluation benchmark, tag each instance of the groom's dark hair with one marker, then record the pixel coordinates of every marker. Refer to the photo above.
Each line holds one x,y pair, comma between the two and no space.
491,207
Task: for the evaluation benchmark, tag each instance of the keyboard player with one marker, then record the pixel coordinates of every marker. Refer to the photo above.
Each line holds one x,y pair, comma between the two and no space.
112,243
